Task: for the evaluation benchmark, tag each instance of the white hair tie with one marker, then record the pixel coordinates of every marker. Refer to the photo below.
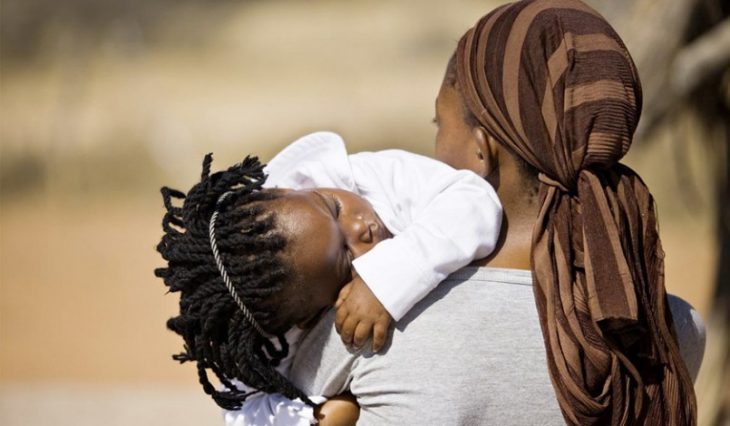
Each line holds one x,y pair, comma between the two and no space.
219,262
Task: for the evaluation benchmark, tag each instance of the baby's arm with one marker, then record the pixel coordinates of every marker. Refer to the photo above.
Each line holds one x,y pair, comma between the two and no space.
442,220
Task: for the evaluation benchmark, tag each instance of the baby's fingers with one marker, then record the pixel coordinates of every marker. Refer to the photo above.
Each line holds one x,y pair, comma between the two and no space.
340,317
380,334
362,332
348,330
344,292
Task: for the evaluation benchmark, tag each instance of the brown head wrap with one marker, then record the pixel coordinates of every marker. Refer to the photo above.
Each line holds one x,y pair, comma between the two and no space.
554,83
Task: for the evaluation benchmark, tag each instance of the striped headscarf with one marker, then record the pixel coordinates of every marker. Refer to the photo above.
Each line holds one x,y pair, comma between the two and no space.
554,83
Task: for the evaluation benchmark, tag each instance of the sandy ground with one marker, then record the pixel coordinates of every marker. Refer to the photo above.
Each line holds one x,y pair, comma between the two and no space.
64,404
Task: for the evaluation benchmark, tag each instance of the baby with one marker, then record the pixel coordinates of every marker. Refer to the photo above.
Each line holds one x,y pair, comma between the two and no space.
254,256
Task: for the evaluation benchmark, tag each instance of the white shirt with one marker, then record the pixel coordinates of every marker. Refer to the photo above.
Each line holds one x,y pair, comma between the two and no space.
441,218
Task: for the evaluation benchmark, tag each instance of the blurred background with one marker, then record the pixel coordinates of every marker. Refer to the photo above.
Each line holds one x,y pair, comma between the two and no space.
102,102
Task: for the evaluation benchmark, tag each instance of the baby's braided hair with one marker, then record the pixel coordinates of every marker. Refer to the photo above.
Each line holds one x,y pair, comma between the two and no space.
218,335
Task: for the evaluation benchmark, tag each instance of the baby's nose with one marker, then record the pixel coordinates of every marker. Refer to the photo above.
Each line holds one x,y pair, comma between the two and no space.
360,238
363,230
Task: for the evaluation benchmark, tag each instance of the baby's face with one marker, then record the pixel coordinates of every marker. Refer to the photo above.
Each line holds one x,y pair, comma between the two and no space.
326,229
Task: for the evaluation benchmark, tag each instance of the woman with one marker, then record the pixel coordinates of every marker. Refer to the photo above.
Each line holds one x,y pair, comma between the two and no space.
541,98
544,95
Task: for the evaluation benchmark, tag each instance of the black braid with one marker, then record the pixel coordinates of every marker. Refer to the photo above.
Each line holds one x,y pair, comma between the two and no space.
218,337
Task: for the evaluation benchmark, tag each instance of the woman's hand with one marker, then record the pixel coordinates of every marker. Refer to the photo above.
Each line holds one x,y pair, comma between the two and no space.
341,410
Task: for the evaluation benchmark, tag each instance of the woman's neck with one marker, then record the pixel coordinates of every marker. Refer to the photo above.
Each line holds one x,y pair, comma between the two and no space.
515,238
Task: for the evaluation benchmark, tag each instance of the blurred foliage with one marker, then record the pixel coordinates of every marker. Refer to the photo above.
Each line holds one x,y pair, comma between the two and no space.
26,24
21,173
86,83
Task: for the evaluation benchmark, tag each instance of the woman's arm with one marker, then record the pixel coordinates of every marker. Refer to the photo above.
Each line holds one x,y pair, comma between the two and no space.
341,410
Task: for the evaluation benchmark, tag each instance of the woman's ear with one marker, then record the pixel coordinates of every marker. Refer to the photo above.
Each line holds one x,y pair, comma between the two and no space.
486,151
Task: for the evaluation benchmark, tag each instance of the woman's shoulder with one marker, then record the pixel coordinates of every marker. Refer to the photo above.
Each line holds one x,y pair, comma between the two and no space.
493,274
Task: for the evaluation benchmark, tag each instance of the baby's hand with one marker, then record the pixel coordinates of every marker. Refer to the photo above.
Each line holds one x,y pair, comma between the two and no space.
360,314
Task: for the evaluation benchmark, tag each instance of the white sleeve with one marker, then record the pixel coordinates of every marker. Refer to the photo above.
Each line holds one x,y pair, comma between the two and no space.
442,220
317,160
272,409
